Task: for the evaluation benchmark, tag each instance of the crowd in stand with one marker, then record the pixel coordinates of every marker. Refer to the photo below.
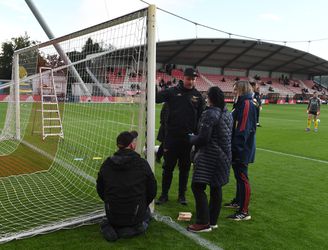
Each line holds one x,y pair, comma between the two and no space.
173,71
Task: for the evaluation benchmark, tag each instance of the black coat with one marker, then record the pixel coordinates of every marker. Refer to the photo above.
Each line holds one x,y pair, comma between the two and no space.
127,186
213,158
163,121
185,108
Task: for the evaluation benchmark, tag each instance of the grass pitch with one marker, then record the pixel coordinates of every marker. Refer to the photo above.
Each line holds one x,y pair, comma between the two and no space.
289,192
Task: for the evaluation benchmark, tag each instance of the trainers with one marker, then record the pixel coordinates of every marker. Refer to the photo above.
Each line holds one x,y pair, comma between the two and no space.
182,200
315,130
231,204
239,216
214,226
307,129
199,228
161,200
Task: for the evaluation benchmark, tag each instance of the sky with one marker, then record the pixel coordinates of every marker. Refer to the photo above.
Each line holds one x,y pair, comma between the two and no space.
281,20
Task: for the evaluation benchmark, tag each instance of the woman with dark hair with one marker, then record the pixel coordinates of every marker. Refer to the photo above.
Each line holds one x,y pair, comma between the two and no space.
212,160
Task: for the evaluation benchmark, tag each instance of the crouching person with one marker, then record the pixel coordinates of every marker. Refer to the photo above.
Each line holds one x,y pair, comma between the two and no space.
127,186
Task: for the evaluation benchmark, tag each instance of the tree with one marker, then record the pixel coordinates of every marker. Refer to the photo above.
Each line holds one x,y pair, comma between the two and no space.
90,47
6,56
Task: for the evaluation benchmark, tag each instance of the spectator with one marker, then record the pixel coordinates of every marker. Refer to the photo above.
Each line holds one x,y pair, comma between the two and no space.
127,186
185,107
212,161
257,102
287,99
161,83
243,148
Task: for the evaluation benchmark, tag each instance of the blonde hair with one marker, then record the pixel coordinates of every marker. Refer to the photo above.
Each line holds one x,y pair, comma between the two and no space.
243,88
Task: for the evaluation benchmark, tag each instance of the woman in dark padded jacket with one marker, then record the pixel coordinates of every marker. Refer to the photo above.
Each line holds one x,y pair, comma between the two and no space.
212,160
243,148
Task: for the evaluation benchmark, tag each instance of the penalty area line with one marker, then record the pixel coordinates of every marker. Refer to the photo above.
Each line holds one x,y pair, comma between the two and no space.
193,236
291,155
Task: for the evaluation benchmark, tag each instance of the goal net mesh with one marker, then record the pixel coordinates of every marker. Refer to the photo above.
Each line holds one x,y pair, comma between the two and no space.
100,78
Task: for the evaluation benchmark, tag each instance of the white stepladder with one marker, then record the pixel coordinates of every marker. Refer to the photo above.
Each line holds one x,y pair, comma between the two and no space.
51,121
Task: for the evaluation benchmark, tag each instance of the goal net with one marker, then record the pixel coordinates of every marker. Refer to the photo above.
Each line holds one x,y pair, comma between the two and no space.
101,77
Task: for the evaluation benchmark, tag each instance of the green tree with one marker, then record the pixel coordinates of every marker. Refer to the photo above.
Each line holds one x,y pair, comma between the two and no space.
7,52
90,47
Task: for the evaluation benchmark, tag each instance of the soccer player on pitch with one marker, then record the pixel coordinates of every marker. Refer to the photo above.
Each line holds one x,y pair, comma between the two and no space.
313,111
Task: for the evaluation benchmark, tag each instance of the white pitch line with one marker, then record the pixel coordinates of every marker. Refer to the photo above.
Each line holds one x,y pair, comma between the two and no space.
291,155
195,237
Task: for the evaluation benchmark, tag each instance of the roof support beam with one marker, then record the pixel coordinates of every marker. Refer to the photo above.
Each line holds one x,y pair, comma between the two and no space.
216,49
288,62
309,67
240,54
179,51
265,58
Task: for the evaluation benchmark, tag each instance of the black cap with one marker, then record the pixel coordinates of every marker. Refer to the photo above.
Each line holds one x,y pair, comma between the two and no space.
125,138
190,72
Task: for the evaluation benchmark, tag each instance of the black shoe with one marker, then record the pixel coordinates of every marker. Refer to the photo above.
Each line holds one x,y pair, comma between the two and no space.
161,200
231,204
239,216
182,200
108,231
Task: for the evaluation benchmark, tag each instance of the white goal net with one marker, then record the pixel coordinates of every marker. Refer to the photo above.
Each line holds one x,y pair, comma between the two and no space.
104,78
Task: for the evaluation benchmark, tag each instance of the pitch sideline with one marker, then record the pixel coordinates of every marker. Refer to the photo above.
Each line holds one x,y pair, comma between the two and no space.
292,155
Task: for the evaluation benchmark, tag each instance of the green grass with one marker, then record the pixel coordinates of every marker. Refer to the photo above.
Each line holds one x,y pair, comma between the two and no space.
288,193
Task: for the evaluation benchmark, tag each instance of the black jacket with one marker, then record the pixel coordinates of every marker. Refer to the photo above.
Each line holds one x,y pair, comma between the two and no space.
163,121
127,186
213,158
185,108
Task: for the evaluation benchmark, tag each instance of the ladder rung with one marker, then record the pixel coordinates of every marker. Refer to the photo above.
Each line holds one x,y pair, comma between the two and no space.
51,119
51,111
55,134
53,126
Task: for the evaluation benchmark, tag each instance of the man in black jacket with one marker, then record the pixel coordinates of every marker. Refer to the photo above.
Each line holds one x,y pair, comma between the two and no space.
162,131
185,105
127,186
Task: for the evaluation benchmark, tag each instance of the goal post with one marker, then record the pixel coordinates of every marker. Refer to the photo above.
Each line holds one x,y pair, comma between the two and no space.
49,184
151,88
17,96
